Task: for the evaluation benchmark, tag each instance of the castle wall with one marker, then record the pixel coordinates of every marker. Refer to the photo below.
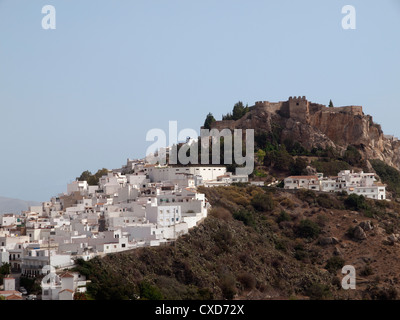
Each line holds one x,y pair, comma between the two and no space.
356,110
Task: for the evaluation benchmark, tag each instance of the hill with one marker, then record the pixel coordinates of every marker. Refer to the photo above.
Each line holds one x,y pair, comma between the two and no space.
309,126
10,205
260,243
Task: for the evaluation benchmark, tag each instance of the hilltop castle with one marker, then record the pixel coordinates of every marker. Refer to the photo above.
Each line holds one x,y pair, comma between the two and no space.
295,108
300,108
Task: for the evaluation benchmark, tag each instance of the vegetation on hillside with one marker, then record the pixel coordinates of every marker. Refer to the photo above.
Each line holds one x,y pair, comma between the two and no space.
388,175
256,242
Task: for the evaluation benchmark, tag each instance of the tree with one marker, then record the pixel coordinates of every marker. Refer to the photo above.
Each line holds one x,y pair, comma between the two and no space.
330,104
209,120
260,156
298,167
239,110
352,156
85,176
92,179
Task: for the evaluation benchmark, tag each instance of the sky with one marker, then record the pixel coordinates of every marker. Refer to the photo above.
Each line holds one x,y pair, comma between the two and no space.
84,95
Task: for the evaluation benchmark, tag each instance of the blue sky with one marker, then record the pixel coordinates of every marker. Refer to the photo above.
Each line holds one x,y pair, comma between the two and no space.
83,96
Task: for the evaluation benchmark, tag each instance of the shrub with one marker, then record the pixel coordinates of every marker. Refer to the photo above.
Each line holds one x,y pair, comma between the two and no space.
334,263
356,202
366,271
228,286
247,280
149,292
221,213
306,195
353,157
308,229
327,201
283,216
318,291
286,202
262,202
245,216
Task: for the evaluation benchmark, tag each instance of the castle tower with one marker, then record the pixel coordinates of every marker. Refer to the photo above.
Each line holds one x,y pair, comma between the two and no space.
299,108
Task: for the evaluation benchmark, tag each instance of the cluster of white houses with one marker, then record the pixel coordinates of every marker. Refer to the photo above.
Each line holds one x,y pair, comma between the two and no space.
359,183
134,206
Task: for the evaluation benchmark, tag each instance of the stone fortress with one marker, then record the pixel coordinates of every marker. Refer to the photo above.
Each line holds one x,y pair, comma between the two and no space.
300,108
295,108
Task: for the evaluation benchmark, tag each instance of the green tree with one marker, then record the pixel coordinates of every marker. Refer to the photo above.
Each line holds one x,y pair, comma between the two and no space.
209,120
352,156
356,202
85,176
298,167
330,104
282,159
238,111
260,156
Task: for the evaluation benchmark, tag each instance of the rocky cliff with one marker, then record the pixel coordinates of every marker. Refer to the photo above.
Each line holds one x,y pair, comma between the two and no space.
316,125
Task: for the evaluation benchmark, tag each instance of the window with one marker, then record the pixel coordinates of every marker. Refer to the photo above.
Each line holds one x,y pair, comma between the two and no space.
123,245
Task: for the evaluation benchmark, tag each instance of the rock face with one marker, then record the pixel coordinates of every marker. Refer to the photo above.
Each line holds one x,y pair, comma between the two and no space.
366,225
316,125
359,233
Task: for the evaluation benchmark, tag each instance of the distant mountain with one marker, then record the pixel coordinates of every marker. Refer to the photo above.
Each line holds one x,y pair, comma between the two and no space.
9,205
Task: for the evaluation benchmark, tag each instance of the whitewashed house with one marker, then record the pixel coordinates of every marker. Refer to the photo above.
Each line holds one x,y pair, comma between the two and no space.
78,186
302,182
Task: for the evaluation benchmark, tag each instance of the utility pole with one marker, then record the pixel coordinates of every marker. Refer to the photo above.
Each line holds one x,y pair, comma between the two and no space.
49,252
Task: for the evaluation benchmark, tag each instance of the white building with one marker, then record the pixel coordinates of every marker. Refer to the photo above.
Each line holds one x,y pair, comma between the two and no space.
77,186
7,219
302,182
163,215
359,183
157,174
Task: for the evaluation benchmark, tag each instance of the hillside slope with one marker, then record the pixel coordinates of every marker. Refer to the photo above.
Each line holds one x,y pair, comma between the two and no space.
315,125
263,244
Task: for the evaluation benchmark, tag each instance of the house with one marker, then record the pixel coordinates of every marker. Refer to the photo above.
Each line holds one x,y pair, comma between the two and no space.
81,187
11,294
302,182
58,286
359,183
7,219
9,283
